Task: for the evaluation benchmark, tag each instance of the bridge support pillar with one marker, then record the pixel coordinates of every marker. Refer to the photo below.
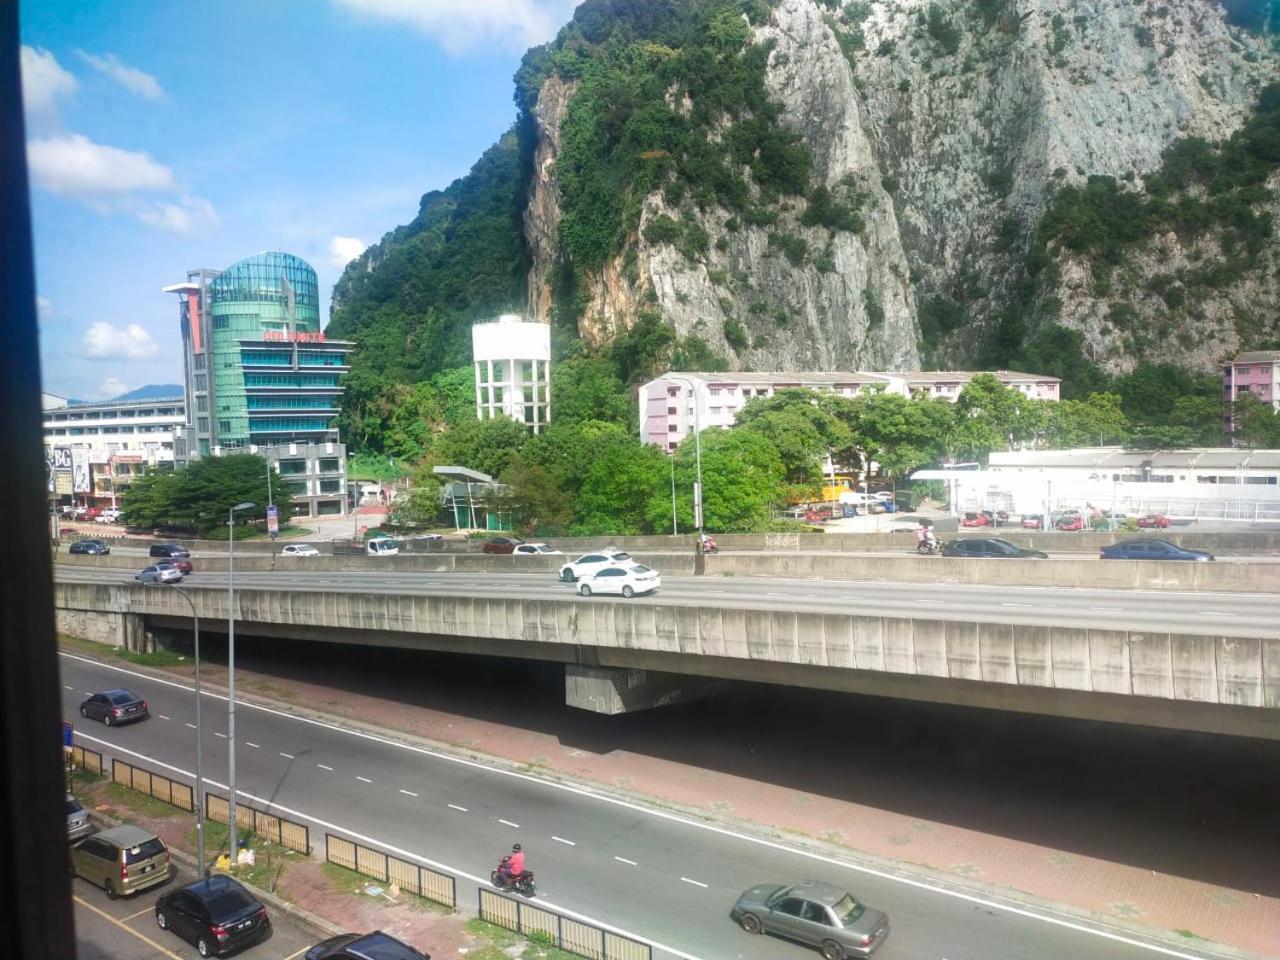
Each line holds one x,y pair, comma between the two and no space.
614,690
114,628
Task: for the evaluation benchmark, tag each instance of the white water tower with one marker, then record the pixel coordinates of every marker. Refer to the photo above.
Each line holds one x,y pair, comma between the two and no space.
512,359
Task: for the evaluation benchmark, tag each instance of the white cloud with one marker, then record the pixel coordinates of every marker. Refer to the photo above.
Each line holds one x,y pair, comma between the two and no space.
131,78
44,309
342,250
43,83
185,216
103,341
111,388
71,163
460,27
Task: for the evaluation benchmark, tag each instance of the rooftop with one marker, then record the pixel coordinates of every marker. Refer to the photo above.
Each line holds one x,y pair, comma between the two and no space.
1259,356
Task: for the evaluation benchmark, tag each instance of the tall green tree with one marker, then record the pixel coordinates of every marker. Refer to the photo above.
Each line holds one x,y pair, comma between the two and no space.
589,389
539,505
1257,424
1096,420
619,488
484,445
743,480
200,495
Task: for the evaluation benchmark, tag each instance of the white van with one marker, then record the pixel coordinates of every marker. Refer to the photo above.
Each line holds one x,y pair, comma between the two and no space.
859,499
381,547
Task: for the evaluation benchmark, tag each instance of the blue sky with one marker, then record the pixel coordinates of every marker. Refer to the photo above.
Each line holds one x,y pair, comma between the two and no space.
168,136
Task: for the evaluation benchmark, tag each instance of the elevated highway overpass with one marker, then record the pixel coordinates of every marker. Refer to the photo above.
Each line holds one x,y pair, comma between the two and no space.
1170,658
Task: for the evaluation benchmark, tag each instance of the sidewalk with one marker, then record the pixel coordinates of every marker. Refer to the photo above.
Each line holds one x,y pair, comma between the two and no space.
1138,899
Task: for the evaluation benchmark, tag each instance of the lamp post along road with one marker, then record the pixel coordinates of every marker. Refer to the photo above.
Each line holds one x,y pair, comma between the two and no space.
195,617
231,674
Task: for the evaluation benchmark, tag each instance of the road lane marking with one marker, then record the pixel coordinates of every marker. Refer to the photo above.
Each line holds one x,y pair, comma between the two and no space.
67,686
297,953
407,793
132,932
163,717
135,916
626,861
250,743
218,733
288,756
1017,604
696,883
1216,613
323,767
509,823
191,725
1008,908
363,779
567,843
454,806
930,601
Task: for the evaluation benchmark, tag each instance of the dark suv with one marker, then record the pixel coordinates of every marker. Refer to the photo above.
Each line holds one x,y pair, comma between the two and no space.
171,551
366,946
218,915
93,547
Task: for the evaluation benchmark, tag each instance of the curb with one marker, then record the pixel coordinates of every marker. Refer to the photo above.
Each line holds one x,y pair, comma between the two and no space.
319,924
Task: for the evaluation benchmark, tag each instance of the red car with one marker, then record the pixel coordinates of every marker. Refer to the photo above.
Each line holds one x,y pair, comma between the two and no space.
501,545
975,520
1072,523
184,566
1156,520
1033,521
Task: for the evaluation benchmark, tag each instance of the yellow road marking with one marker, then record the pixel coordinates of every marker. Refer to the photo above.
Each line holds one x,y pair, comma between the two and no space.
135,916
293,956
147,940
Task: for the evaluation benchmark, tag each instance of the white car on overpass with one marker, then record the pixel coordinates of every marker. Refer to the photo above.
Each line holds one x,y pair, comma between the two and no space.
535,550
300,550
589,563
628,581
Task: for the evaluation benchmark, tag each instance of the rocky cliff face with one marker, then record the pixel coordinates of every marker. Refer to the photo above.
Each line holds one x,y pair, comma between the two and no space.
949,127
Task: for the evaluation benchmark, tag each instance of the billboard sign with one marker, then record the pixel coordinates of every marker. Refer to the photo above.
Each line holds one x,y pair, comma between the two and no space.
273,521
83,482
61,458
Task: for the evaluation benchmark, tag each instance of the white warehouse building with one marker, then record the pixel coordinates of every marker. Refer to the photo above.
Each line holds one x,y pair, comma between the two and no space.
512,359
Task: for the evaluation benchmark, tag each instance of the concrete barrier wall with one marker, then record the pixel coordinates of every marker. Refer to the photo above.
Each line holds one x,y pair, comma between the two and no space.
1219,576
717,640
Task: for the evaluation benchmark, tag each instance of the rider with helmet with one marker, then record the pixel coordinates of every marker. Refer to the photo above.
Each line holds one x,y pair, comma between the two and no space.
513,865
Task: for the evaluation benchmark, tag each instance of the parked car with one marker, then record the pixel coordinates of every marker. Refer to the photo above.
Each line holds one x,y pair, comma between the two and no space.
364,946
989,547
815,914
93,547
217,915
300,550
1157,521
78,825
1033,521
627,581
1071,523
1151,548
170,551
535,550
501,545
589,563
159,573
972,519
381,547
122,861
92,513
114,707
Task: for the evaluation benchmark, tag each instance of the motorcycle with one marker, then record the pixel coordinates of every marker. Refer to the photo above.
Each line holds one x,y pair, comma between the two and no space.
929,547
522,883
709,545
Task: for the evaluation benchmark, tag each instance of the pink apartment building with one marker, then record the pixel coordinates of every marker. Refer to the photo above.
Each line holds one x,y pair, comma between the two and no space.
671,405
1257,373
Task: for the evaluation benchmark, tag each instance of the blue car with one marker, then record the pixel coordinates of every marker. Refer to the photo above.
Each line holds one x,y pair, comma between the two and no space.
1150,548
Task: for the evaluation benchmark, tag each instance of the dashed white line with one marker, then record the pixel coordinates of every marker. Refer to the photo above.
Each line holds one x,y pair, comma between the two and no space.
509,823
1017,604
250,743
219,734
696,883
1216,613
67,686
163,717
454,806
288,756
930,601
191,725
363,779
567,843
625,860
323,767
407,793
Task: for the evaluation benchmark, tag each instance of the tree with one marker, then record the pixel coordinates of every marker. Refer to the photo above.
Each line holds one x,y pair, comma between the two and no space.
538,503
1082,423
419,506
897,432
802,427
200,495
484,445
1257,424
619,489
566,450
588,389
991,416
742,481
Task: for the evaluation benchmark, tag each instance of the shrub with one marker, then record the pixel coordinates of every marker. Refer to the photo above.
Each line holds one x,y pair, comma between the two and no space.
736,335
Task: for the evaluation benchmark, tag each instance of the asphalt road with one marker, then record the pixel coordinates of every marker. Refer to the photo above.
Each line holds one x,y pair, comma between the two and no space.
645,872
1240,615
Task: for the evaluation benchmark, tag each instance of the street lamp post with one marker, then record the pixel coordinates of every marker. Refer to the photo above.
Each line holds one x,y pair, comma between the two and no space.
231,673
195,617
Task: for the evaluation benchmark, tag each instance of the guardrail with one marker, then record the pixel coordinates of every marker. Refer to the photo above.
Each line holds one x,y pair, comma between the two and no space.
156,785
287,833
417,879
566,933
86,759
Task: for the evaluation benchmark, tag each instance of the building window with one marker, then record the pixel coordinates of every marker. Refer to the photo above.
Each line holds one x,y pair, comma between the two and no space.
672,411
202,381
673,391
328,465
202,403
1243,371
673,428
715,391
202,424
291,467
224,426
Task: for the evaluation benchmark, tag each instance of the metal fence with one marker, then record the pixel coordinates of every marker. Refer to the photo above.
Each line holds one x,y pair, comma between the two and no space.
564,932
88,760
155,785
415,878
287,833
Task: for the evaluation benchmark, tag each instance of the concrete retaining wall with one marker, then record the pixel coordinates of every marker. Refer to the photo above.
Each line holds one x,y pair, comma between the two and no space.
1158,678
1220,576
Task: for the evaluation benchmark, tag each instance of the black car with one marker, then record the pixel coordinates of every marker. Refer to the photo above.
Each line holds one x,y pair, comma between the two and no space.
170,550
989,547
94,547
1151,548
217,915
364,946
115,706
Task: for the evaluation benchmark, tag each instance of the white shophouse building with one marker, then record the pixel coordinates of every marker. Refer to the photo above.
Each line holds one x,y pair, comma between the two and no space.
512,359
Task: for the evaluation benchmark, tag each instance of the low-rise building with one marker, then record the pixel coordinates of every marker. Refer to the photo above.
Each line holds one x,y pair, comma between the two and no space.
676,404
1256,373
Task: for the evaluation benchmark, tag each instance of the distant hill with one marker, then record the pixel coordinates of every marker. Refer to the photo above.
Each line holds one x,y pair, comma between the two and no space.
152,391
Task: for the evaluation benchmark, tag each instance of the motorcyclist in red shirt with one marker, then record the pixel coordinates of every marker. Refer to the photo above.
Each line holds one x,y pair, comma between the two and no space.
513,865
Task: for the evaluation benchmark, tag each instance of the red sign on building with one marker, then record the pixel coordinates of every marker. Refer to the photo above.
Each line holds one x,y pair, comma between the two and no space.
298,336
